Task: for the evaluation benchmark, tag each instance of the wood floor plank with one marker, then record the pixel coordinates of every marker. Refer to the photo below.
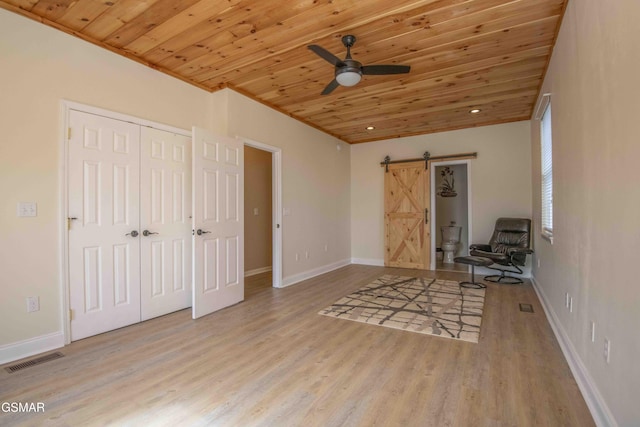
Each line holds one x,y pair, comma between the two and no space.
273,361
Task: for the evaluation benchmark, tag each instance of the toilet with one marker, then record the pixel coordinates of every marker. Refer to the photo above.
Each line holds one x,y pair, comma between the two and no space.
450,241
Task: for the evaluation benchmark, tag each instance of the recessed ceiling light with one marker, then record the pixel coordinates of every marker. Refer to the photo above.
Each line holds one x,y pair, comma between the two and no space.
370,128
475,111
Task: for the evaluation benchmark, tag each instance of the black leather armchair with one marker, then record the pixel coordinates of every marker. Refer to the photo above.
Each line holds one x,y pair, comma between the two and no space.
508,247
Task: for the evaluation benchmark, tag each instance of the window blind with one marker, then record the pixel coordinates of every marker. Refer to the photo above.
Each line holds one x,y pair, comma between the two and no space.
547,172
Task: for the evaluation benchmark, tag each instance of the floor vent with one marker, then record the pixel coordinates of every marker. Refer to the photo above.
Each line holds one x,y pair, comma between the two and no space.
33,362
527,308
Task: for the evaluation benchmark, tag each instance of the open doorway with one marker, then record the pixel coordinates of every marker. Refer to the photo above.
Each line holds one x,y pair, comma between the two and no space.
258,235
262,217
451,209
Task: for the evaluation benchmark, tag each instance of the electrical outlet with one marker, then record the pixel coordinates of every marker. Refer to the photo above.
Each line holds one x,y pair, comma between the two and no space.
566,300
593,331
607,349
33,304
297,257
538,262
306,254
256,211
326,247
570,304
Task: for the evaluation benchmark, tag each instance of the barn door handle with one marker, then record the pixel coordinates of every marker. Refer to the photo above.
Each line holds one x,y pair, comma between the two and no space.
134,233
201,232
426,216
148,233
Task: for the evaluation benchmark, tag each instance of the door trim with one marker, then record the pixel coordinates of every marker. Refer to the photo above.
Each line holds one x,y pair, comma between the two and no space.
432,167
66,106
276,202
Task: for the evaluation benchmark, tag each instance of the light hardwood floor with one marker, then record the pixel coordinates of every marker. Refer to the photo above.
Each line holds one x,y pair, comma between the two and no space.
442,266
273,361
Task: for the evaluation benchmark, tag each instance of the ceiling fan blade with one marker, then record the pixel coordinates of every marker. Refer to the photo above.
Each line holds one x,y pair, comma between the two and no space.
330,87
385,69
325,54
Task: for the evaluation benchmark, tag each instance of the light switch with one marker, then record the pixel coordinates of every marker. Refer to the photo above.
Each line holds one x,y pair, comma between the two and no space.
286,211
26,209
255,211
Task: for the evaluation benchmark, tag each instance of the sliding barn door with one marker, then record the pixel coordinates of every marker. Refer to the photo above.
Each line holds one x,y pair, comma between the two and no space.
218,221
104,250
165,222
406,216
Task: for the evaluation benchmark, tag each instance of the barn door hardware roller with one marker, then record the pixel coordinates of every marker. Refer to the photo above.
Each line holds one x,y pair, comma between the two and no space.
387,159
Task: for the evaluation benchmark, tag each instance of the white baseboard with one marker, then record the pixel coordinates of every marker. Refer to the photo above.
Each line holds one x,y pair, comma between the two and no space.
26,348
368,261
257,271
296,278
600,412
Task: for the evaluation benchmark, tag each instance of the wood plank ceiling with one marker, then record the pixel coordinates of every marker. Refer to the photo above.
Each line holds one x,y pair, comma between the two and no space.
464,54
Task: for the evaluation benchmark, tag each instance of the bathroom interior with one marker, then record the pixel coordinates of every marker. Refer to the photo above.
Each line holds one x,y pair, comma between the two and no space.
452,216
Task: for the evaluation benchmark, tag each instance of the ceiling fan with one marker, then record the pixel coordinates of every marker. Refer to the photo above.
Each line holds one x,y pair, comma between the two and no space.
348,71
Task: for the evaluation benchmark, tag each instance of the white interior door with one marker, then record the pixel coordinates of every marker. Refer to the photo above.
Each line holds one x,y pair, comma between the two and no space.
218,222
104,254
165,222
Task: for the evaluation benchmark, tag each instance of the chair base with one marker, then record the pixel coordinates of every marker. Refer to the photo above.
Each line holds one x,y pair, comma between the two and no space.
473,285
501,278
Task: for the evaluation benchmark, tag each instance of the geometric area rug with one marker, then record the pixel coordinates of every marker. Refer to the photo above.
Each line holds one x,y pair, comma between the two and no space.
416,304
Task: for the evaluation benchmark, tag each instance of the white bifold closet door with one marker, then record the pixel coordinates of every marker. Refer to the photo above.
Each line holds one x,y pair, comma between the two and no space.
165,222
130,244
104,221
218,222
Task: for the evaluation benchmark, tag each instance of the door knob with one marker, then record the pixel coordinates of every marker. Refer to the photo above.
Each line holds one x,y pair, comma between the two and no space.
148,233
201,232
69,222
134,233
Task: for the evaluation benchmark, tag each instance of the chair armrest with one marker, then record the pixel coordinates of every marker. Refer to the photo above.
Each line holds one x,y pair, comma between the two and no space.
484,254
514,251
480,247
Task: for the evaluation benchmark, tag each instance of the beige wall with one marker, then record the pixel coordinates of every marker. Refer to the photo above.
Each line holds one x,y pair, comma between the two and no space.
315,185
257,195
500,180
40,67
593,79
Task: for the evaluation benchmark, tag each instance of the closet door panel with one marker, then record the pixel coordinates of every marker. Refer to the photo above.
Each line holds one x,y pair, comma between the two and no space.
103,208
165,221
218,221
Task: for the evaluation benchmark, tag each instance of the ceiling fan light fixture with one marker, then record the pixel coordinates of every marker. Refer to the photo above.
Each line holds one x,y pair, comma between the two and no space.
348,71
348,78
